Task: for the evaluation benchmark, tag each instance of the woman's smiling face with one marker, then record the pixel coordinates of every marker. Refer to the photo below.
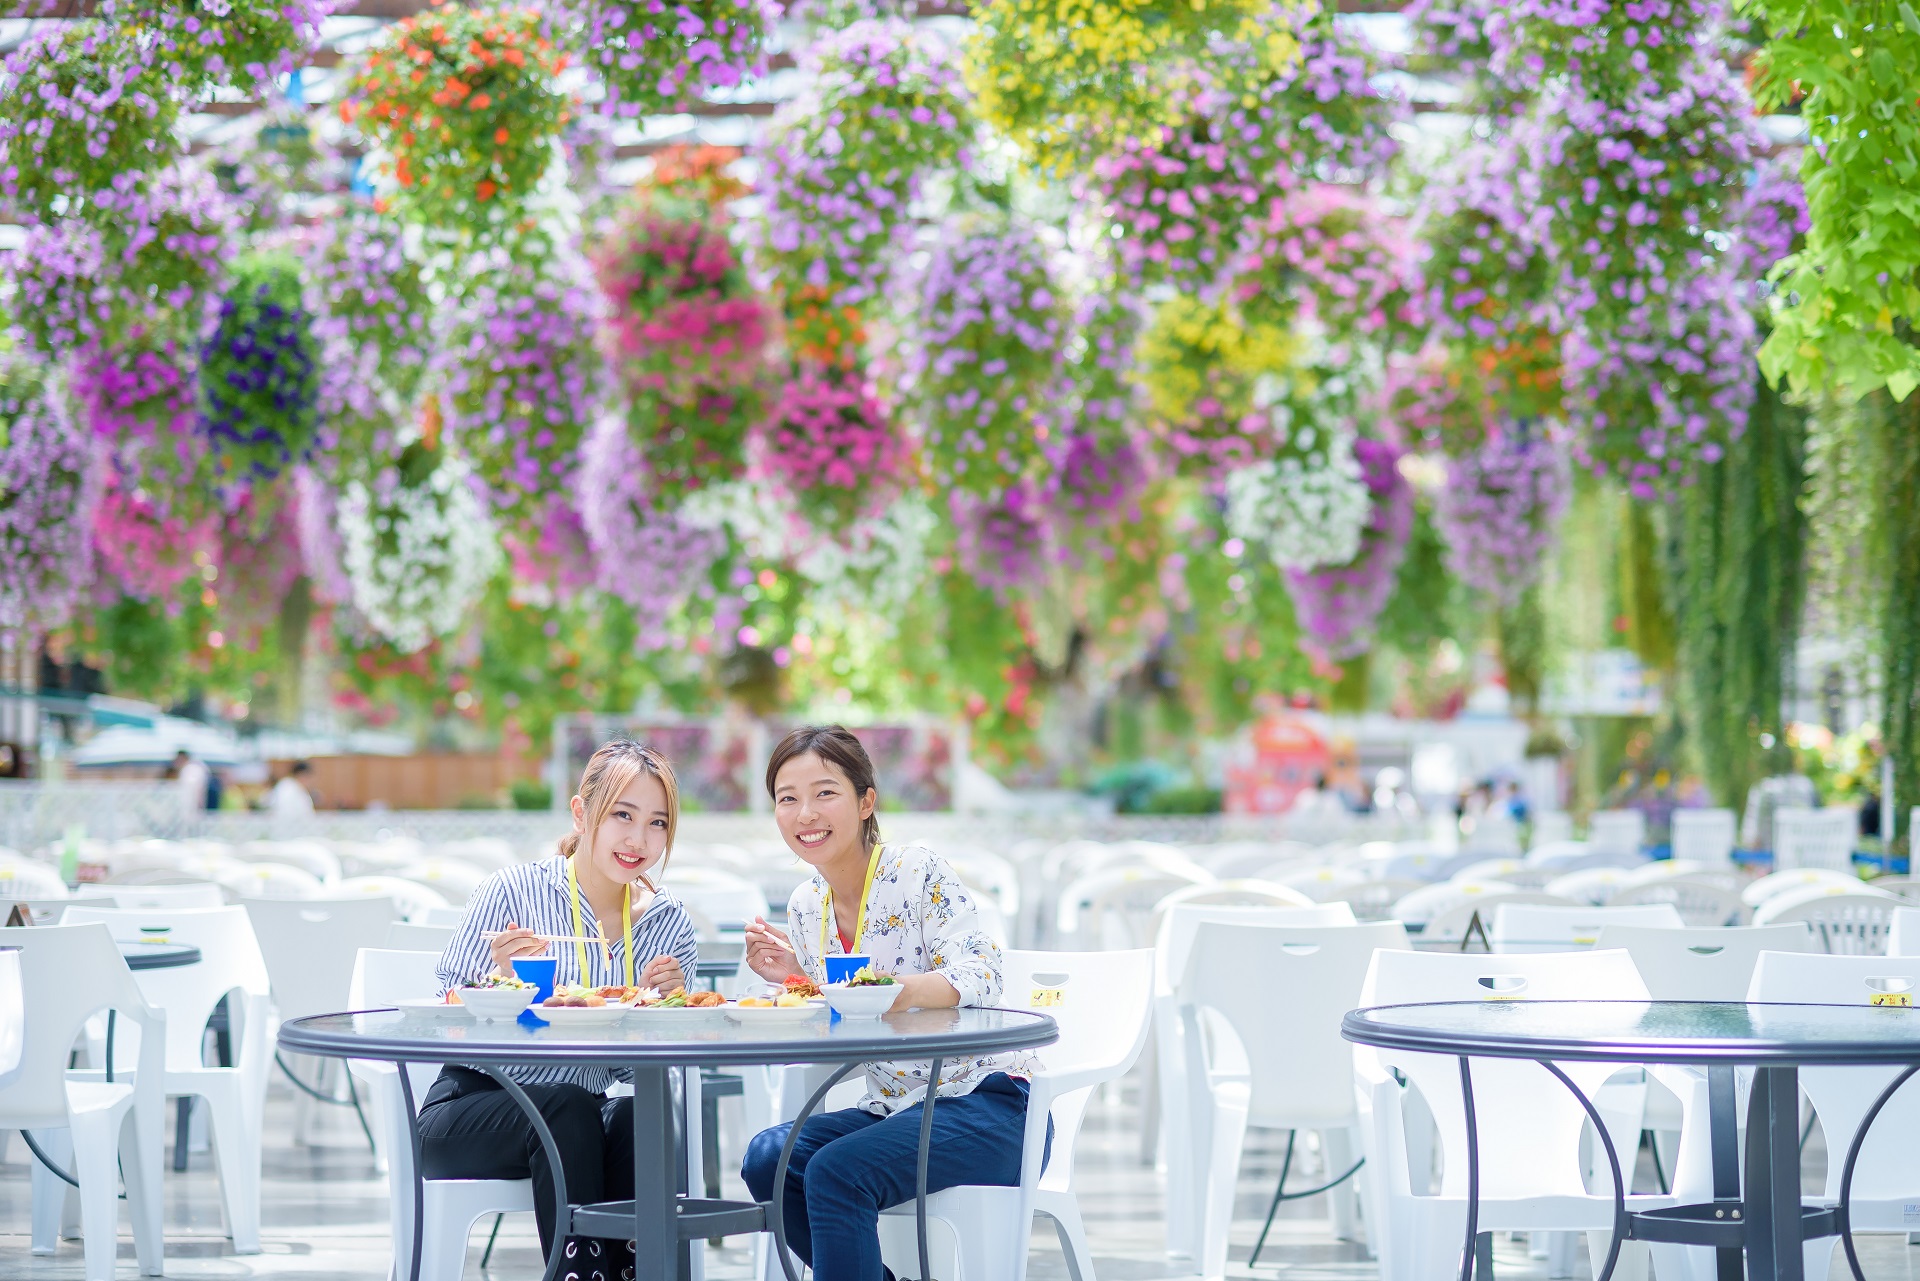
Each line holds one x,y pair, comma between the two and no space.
818,812
633,836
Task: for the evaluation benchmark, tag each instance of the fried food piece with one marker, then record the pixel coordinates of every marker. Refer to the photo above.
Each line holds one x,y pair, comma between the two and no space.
705,1000
801,985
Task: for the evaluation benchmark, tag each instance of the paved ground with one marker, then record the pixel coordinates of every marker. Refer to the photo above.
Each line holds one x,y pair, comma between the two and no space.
326,1215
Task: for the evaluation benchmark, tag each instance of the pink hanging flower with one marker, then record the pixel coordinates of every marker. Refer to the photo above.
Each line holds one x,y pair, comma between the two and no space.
143,551
1338,608
831,448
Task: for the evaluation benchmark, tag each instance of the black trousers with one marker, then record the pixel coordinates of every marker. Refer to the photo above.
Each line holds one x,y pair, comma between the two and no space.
470,1128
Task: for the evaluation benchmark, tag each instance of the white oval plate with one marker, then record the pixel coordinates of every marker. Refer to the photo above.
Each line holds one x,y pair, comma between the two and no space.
774,1013
579,1015
427,1007
676,1011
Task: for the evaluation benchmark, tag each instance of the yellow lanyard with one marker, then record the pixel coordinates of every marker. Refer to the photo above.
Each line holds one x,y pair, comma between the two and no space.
580,930
860,918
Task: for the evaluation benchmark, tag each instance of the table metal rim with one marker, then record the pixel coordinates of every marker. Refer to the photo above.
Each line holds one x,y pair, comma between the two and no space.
1035,1031
1356,1027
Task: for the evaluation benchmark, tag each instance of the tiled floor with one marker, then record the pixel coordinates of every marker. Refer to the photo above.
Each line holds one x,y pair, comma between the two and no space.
325,1220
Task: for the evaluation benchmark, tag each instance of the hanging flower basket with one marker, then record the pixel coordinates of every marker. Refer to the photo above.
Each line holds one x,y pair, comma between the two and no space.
49,484
683,315
1338,607
418,547
831,449
988,324
1205,370
140,402
691,446
1501,506
259,385
243,44
463,104
1006,540
523,380
84,105
1305,511
1334,258
654,57
142,550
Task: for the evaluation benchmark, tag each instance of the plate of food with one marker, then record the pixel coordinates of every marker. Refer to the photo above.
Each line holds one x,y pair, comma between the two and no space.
796,999
578,1006
494,997
681,1005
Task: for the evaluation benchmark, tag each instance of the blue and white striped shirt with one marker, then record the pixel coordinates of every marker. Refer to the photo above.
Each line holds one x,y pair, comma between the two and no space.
535,896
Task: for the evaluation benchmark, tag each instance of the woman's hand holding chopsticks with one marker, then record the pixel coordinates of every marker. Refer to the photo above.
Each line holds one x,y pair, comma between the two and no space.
514,941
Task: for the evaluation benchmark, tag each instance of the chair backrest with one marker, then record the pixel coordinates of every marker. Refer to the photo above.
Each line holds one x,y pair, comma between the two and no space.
199,894
1903,932
79,971
1372,900
13,1015
40,911
1621,831
310,946
384,975
1798,878
271,880
405,936
1907,887
1702,964
1704,835
1590,884
1423,904
1113,909
1536,927
1180,924
727,900
1283,991
1814,838
24,878
230,960
1842,1095
1698,902
409,897
1530,1126
1103,999
1844,922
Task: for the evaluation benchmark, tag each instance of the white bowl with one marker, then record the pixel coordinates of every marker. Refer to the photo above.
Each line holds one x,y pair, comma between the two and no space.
497,1003
860,1002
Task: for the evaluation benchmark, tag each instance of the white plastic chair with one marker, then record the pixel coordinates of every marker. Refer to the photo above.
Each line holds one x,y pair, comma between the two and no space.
453,879
230,969
1373,900
1512,871
410,897
1429,901
1886,1179
1270,1055
1814,838
1701,964
447,916
450,1207
1164,1119
1903,932
1907,887
1797,879
13,1015
1103,1025
200,894
106,1130
988,876
1594,885
1698,902
1617,831
1532,1177
310,946
1844,922
25,878
1113,909
311,857
727,900
1535,927
402,936
270,880
1321,883
1704,836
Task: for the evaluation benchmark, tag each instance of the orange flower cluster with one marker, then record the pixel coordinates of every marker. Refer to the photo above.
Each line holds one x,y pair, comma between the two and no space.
463,103
819,331
698,173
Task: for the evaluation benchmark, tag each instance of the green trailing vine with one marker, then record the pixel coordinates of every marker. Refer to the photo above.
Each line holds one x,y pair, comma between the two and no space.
1736,578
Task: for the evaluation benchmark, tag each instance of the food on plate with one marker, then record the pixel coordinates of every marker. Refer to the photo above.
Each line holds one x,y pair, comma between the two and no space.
867,976
485,981
705,1001
801,985
787,1000
577,996
754,1003
617,995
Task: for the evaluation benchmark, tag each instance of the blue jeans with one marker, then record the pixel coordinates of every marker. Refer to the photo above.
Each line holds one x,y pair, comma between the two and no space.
848,1166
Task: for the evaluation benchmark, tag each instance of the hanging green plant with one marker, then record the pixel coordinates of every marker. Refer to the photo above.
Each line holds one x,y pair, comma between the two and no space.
259,383
464,105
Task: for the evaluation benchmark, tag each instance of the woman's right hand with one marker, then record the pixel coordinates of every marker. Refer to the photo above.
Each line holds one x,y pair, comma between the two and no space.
769,954
514,941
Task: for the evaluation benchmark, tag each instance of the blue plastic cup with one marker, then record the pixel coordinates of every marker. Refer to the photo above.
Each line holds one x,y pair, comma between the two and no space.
842,968
538,970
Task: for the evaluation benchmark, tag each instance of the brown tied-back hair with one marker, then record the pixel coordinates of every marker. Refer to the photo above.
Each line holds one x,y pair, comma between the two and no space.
609,770
836,745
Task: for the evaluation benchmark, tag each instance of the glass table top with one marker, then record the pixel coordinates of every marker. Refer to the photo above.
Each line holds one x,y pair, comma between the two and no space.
1651,1031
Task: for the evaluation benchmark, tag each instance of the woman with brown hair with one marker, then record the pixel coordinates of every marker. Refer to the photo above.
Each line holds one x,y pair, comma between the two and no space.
623,825
903,907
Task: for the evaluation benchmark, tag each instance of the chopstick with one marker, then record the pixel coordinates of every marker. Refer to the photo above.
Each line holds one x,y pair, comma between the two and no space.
490,935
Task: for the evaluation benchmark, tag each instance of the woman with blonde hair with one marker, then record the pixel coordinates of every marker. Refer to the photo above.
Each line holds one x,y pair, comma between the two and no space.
623,825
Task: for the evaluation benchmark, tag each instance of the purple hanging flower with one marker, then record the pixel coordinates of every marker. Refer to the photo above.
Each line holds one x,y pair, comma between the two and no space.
1337,608
1003,540
49,485
1500,508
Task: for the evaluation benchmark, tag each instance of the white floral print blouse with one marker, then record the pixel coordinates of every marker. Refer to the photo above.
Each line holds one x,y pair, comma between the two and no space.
920,920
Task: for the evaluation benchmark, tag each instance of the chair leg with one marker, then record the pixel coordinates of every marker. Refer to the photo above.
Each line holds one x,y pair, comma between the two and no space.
1067,1225
236,1153
182,1130
95,1168
50,1191
1223,1171
142,1152
710,1143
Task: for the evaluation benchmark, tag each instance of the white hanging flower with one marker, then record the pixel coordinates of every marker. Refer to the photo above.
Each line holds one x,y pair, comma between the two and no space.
417,556
1307,512
877,566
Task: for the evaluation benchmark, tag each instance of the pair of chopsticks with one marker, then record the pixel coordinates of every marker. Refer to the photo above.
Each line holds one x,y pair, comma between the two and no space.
490,935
